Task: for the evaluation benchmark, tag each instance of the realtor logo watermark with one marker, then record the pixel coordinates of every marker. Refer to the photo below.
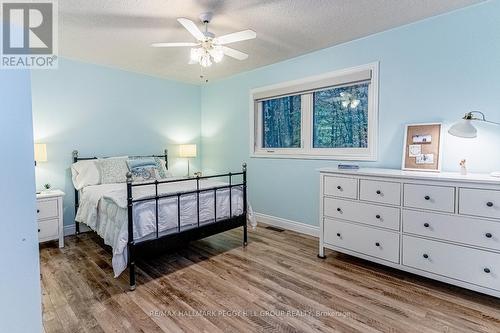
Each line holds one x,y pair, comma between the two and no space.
29,34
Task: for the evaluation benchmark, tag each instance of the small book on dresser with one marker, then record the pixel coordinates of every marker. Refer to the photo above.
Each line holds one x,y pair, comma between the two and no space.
348,167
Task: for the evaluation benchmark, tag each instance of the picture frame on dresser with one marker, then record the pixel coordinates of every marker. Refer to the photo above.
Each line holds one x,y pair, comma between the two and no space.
422,147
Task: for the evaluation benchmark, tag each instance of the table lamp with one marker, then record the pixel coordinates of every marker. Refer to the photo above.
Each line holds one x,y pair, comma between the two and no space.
465,129
40,152
187,151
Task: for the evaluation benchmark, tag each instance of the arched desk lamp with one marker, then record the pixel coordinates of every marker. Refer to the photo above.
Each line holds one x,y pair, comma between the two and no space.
465,129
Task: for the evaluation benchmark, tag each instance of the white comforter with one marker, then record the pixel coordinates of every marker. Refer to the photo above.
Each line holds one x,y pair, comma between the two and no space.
104,209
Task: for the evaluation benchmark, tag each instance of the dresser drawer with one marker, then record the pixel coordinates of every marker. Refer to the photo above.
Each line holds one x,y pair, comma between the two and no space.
341,187
381,216
365,240
453,228
438,198
47,209
479,202
380,191
48,229
461,263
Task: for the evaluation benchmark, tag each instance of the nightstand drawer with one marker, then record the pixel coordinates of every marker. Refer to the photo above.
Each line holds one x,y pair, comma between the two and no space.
479,202
341,187
47,209
438,198
48,229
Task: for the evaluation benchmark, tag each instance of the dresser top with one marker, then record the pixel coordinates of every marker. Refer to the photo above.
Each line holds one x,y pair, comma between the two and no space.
440,176
50,194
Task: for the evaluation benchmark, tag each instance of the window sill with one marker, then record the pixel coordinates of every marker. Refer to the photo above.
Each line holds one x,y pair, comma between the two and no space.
367,158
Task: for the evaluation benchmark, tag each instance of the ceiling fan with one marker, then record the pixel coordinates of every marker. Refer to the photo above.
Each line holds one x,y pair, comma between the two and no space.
208,48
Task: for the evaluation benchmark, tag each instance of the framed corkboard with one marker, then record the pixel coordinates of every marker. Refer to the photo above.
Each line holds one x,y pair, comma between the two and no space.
422,147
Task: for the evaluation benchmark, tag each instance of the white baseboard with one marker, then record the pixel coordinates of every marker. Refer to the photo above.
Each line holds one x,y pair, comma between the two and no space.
279,222
70,229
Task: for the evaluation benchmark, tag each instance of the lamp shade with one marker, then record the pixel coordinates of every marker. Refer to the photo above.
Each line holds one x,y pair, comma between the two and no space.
40,152
188,150
463,129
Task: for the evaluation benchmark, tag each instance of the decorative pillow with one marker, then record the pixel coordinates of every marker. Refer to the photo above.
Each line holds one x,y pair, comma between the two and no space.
85,173
143,168
134,162
162,169
113,170
146,173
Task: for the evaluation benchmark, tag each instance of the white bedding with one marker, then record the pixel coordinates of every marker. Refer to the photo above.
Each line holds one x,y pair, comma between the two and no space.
104,209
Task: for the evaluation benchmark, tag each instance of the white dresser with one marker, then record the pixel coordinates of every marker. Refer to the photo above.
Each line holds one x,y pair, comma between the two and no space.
440,225
49,212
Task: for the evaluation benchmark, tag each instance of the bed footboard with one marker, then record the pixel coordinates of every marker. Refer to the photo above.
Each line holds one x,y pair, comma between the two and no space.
200,230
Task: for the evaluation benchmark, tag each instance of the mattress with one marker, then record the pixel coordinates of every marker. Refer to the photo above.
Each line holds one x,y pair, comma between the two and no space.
104,209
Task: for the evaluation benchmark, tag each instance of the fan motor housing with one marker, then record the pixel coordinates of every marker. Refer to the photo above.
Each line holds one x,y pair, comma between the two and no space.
206,17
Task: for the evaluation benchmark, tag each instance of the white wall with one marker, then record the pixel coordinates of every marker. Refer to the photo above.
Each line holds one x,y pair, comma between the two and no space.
20,301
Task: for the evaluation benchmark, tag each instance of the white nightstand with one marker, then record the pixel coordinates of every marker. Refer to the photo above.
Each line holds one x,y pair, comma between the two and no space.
49,212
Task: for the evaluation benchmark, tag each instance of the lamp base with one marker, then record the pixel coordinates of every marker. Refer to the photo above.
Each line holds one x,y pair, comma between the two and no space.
495,174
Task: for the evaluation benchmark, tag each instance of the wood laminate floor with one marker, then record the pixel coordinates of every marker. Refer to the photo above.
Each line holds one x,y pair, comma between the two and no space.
276,284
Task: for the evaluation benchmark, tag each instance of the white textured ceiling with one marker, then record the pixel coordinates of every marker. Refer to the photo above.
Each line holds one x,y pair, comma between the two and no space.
118,33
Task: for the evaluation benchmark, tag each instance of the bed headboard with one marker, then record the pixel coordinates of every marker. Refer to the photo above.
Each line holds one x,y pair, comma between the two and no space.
77,158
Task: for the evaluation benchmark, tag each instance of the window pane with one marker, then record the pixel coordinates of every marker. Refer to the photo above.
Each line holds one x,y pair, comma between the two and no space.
341,117
281,122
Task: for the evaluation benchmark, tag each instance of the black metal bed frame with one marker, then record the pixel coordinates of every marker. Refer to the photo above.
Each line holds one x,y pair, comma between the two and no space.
184,236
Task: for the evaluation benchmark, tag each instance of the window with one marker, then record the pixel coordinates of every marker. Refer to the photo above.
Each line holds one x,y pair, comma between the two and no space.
340,117
281,122
332,116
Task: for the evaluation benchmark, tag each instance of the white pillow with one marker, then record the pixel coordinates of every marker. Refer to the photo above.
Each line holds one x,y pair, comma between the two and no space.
85,173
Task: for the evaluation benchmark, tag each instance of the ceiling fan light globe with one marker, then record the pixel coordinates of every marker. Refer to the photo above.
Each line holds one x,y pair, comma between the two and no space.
195,54
355,103
205,61
217,54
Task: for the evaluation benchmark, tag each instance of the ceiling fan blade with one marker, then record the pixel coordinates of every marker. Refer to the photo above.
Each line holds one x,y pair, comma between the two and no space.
234,53
192,28
173,44
236,37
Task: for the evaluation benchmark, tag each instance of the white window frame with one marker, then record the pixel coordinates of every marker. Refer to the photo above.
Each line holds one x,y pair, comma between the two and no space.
307,151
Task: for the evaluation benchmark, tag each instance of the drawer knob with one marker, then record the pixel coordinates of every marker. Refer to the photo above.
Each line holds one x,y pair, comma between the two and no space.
427,197
488,235
378,192
425,255
377,244
489,204
377,216
426,225
38,230
339,210
487,270
38,210
338,234
339,187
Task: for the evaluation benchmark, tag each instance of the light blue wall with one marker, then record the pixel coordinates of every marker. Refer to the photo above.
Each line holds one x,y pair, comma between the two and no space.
103,111
20,308
433,70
